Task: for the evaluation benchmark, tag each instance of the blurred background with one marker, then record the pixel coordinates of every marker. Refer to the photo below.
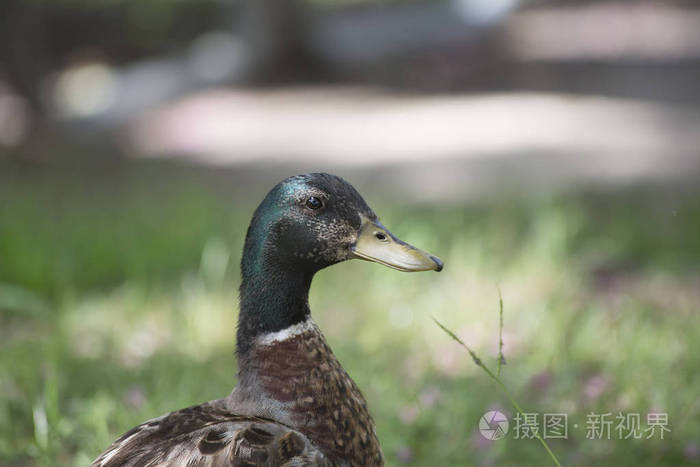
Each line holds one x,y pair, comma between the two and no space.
546,148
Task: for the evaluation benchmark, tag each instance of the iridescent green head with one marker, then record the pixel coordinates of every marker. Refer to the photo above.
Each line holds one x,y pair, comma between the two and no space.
311,221
306,222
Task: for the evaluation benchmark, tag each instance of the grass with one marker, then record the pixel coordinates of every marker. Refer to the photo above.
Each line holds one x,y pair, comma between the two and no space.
497,377
118,303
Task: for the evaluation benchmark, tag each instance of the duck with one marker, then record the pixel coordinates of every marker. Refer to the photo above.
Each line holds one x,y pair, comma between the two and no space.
294,404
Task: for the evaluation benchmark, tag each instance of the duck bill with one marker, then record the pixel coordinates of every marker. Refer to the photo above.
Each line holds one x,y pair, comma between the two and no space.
375,243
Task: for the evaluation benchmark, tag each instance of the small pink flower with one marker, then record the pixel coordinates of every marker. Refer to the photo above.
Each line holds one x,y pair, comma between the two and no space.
595,386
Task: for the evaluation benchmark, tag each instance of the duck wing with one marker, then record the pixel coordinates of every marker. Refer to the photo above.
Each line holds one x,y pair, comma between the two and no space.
209,435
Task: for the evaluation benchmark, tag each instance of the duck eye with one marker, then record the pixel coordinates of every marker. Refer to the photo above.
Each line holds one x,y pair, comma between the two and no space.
314,203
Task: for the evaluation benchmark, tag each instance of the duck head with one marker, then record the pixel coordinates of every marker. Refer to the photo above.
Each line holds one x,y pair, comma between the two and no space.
304,224
311,221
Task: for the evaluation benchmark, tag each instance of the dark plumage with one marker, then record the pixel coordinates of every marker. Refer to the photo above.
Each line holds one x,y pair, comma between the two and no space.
294,404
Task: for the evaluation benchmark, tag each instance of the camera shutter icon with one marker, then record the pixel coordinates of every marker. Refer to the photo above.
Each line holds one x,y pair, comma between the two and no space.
493,425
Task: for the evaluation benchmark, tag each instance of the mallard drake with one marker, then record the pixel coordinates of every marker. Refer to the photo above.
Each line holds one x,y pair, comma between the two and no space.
294,403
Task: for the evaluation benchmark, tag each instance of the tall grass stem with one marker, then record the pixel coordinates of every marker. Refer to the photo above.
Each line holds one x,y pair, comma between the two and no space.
498,381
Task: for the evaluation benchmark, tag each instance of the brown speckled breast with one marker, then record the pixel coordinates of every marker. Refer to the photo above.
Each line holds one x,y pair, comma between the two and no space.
308,389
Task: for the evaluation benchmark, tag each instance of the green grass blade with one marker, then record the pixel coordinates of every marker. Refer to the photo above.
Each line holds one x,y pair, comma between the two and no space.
480,364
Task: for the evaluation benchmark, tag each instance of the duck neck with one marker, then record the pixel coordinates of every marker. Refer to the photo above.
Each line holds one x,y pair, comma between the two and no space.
273,297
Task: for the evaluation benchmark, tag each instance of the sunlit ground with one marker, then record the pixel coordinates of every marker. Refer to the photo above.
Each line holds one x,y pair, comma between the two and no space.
118,303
